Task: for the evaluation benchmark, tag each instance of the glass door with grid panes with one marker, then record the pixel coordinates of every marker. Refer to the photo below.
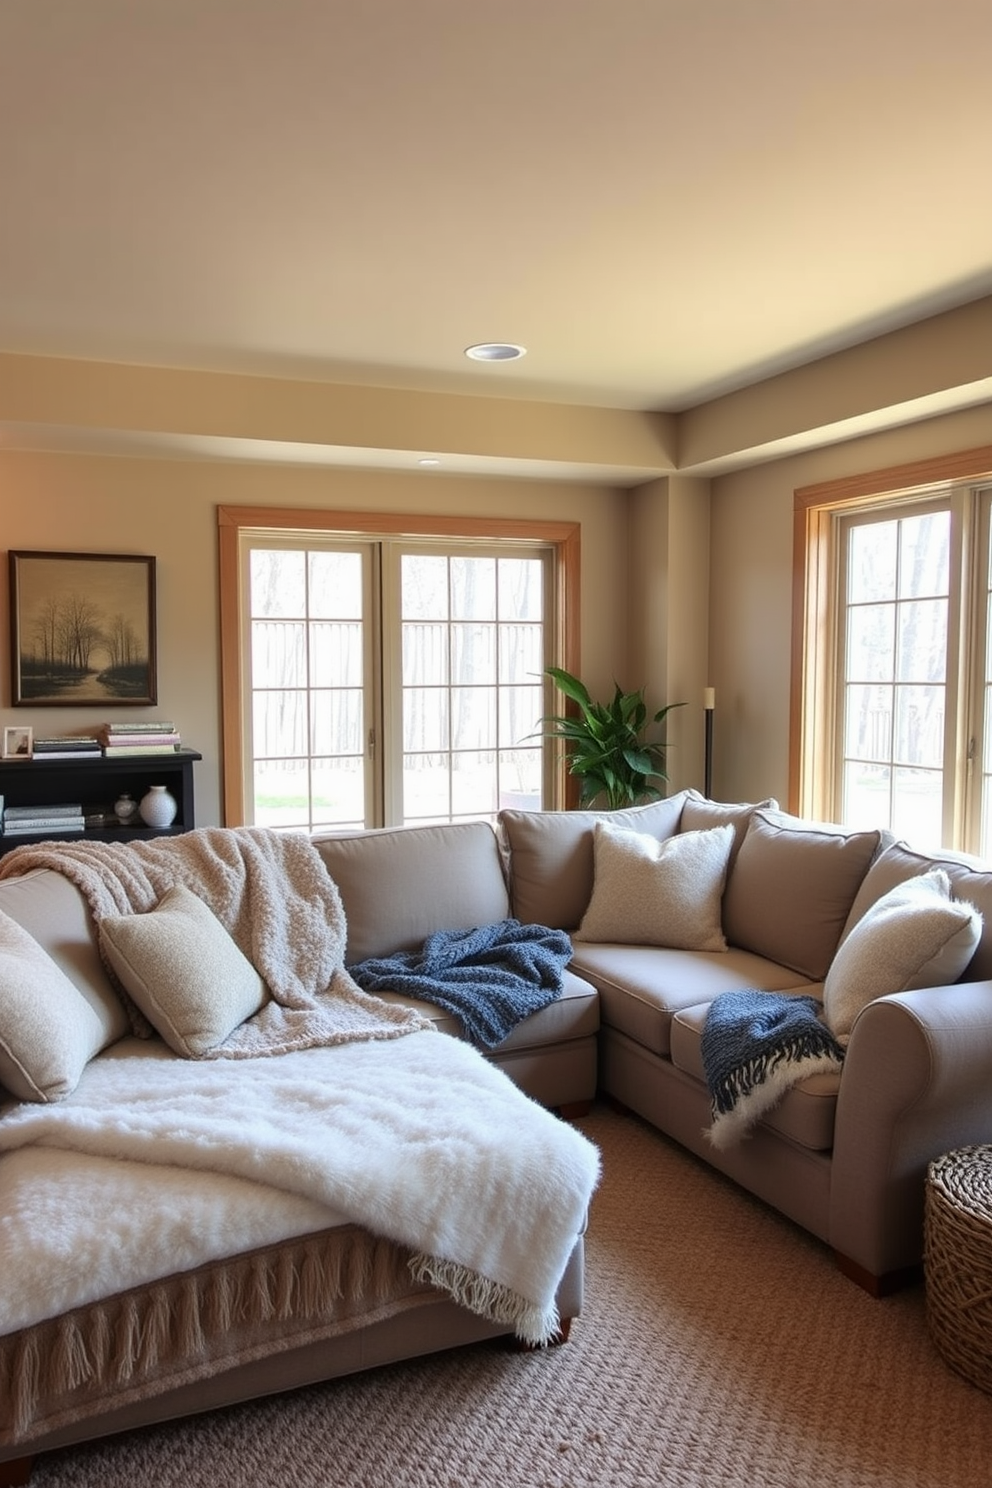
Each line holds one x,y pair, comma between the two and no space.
896,586
468,690
311,663
393,683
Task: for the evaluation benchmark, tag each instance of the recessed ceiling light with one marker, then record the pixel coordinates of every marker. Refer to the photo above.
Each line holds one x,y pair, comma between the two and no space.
429,461
495,351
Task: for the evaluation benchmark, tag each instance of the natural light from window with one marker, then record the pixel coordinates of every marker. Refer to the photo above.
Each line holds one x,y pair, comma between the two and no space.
394,684
895,673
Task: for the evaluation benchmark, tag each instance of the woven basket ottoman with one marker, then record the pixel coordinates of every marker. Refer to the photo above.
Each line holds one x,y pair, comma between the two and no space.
957,1260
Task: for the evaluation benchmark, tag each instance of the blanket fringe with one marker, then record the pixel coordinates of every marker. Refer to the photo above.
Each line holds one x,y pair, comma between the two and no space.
732,1122
489,1299
203,1318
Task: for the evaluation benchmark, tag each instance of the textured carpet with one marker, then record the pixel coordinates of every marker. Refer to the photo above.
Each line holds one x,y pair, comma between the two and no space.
718,1346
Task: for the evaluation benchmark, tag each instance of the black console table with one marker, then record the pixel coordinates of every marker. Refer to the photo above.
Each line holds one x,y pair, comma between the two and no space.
95,785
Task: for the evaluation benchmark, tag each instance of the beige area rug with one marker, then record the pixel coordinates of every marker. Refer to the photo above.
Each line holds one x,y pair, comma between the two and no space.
719,1348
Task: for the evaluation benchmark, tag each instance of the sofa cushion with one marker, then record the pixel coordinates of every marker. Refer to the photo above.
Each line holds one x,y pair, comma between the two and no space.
805,1113
699,813
970,879
52,910
400,884
48,1030
791,888
640,987
574,1014
551,855
916,935
647,892
184,971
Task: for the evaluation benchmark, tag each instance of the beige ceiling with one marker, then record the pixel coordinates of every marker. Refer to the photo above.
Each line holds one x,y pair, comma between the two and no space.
664,200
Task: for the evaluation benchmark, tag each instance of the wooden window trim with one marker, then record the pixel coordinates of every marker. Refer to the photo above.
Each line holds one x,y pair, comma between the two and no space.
233,521
813,509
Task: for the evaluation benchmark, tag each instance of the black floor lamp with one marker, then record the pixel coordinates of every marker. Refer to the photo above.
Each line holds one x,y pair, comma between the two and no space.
709,704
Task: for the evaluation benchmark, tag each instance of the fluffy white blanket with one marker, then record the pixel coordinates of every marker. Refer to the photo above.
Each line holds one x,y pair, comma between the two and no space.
418,1139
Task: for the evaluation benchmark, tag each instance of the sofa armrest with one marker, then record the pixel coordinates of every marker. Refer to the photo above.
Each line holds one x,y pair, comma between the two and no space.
917,1082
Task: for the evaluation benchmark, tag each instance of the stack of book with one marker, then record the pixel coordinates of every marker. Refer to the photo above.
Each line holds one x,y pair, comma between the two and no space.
160,737
24,821
73,746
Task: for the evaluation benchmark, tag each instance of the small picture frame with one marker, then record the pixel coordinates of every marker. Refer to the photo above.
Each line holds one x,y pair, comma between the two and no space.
18,742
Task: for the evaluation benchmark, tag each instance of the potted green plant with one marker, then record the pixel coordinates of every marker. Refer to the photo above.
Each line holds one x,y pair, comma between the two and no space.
605,744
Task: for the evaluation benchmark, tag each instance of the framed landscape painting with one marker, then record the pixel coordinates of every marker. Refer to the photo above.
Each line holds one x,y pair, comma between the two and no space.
82,630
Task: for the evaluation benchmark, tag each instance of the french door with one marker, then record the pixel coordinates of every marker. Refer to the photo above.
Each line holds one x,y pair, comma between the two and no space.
393,681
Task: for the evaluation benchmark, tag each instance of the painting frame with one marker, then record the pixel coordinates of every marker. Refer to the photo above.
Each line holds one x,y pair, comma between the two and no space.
82,630
18,742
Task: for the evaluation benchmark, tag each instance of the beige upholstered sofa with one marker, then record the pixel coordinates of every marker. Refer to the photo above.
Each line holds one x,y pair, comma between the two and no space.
842,1153
396,889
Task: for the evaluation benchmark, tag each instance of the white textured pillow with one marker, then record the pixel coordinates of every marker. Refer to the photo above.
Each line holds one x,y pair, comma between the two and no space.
48,1030
916,935
668,893
184,971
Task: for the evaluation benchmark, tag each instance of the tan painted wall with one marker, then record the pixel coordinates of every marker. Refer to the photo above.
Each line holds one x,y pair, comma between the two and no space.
685,583
751,590
669,612
84,503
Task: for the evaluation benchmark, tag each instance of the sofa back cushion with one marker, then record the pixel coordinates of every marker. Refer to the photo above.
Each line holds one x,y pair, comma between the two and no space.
699,814
969,880
51,909
791,888
398,885
551,855
48,1030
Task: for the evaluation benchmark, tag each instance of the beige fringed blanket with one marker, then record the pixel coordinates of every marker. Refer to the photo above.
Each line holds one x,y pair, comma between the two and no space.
273,895
187,1327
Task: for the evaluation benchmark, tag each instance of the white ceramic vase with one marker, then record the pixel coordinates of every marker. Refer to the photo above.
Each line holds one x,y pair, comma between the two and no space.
158,808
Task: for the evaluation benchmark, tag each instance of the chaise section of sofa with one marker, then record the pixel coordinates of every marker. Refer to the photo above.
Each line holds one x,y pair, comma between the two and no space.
306,1319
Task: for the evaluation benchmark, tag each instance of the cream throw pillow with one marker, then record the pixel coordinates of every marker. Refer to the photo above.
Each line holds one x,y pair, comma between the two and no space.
668,893
916,935
48,1030
184,971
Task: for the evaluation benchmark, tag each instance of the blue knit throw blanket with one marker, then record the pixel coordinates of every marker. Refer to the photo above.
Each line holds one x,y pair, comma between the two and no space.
490,977
755,1047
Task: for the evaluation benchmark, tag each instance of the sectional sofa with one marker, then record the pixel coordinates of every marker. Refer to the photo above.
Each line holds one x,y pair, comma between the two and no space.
668,907
844,1152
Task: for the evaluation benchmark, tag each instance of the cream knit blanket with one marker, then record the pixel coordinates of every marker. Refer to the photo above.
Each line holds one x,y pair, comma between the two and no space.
272,893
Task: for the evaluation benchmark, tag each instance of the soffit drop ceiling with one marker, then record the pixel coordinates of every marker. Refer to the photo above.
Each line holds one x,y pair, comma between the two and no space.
666,201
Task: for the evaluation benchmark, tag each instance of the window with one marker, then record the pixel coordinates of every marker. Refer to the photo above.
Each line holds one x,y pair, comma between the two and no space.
376,679
893,641
309,676
892,680
473,643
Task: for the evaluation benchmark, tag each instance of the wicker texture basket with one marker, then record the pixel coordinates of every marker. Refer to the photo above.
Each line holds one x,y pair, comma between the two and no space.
957,1260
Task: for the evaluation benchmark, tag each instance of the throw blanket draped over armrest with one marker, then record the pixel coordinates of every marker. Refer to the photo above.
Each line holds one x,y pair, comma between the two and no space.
490,977
755,1047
